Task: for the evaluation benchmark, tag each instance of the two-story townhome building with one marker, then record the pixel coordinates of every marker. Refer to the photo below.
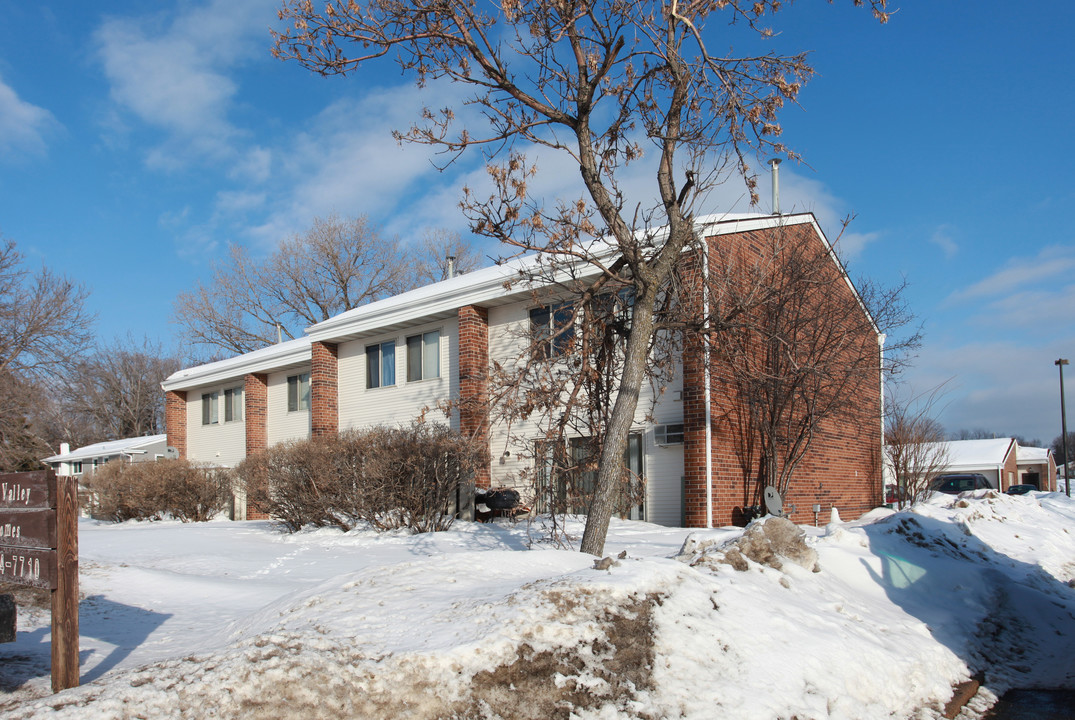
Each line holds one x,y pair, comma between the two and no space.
391,361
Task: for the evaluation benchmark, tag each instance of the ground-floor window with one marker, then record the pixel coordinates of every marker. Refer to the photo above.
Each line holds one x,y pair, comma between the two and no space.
566,474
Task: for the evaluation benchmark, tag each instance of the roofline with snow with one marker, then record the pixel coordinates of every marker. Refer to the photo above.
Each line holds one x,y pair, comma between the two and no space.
107,447
492,285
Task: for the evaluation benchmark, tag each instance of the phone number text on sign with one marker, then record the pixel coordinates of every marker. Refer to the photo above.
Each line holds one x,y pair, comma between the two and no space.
28,567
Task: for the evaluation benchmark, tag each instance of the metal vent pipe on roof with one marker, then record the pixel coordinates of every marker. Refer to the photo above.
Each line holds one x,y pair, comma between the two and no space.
451,266
775,165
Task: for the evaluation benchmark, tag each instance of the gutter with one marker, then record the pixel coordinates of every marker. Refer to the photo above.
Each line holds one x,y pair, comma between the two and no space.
881,337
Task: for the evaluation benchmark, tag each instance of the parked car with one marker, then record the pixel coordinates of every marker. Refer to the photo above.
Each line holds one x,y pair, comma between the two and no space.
955,483
1021,489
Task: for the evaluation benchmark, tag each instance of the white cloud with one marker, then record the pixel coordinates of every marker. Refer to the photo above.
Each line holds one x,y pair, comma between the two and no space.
1019,273
23,126
942,238
347,162
1002,386
235,202
174,74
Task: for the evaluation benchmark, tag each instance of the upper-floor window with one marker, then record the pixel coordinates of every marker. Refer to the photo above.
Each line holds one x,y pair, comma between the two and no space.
210,408
298,392
233,404
381,364
423,356
552,329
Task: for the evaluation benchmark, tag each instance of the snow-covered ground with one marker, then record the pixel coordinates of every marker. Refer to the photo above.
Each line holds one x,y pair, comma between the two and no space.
241,620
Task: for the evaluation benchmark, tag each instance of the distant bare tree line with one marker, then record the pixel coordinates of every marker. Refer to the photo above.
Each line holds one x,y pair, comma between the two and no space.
60,383
334,266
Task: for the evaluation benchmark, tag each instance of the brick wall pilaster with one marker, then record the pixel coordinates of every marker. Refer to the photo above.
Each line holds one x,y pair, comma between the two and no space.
695,429
256,411
175,420
473,354
324,390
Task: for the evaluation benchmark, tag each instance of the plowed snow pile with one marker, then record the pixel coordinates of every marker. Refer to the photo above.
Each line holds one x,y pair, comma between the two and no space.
878,618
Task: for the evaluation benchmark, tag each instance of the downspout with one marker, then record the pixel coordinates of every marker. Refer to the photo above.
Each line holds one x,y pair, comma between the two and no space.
881,378
708,391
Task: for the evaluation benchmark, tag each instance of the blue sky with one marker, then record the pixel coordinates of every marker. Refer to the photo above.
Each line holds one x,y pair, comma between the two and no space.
137,142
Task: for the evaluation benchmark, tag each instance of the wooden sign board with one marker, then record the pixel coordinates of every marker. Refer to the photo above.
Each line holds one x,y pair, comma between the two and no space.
27,491
39,548
28,528
8,618
28,566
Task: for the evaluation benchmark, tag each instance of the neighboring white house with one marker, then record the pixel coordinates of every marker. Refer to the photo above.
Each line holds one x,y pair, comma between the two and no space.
1002,461
86,459
390,361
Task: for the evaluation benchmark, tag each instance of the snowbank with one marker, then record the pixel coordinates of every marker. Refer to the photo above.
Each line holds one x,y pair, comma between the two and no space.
877,618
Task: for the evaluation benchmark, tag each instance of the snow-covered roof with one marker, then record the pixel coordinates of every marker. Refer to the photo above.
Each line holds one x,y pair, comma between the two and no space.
486,287
109,448
970,454
274,356
1032,455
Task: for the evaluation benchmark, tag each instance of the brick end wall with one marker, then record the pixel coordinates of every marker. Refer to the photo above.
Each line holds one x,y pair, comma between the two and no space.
324,390
473,351
175,420
842,468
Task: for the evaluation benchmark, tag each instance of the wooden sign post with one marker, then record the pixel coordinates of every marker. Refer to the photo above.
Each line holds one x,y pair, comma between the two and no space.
39,548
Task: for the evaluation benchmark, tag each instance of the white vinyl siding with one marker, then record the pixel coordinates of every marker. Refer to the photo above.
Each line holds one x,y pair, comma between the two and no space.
509,333
361,406
282,424
220,442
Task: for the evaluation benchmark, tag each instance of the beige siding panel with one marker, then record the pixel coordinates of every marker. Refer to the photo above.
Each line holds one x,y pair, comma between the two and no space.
400,404
284,425
662,466
507,343
223,443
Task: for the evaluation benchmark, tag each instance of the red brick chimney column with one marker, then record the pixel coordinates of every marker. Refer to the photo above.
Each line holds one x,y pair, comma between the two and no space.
474,379
175,420
324,390
256,412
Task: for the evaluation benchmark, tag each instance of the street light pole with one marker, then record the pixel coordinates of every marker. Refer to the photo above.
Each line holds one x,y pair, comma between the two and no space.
1064,426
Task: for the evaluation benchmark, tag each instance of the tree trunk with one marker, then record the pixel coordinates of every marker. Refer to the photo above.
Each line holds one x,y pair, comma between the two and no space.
619,425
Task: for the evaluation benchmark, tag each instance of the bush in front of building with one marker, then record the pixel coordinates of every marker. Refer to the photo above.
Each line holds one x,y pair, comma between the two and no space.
178,489
389,478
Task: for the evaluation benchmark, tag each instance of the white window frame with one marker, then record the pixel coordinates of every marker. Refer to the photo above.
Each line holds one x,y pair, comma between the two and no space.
427,351
375,354
298,392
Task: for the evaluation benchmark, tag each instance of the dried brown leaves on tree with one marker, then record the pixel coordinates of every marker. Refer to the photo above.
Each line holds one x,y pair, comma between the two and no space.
604,83
336,265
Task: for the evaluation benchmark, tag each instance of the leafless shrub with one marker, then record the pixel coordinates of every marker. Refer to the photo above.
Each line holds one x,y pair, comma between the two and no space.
387,477
151,491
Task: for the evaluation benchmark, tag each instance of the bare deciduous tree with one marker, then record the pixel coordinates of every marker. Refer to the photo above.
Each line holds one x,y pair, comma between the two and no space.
336,265
597,82
915,444
43,320
43,326
431,255
796,349
117,388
